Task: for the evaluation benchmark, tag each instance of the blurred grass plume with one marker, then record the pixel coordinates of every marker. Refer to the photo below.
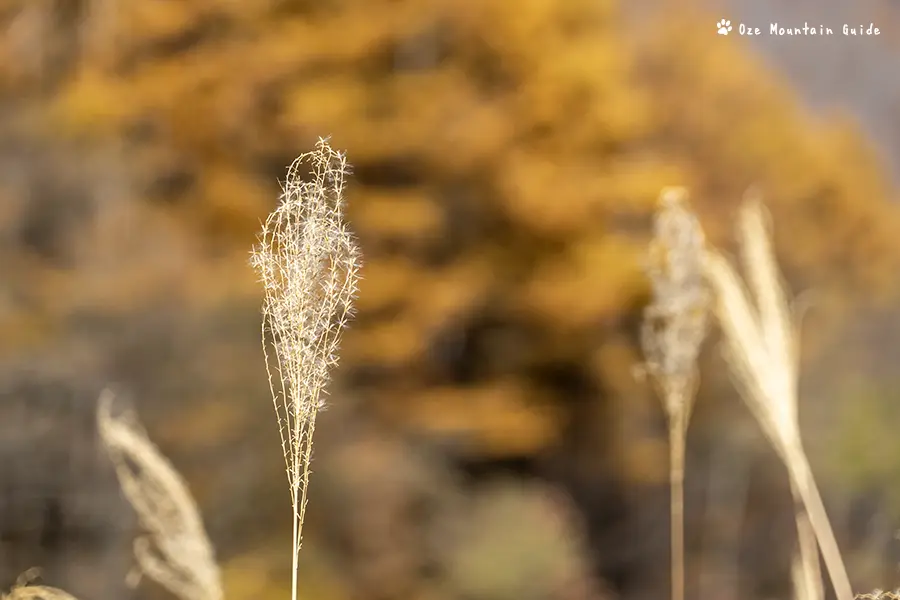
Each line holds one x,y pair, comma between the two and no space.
176,551
762,349
672,333
23,590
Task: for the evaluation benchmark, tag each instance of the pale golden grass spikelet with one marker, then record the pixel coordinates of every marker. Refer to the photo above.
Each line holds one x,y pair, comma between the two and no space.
761,346
674,327
175,551
676,321
879,595
308,263
38,592
22,590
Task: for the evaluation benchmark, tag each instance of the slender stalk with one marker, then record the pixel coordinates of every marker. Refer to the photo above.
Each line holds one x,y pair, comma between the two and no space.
301,509
801,473
809,585
295,557
677,435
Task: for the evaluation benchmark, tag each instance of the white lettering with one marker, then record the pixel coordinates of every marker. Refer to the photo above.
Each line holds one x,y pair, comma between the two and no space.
807,29
861,29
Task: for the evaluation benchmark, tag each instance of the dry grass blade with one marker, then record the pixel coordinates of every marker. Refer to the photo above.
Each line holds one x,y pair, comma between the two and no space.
38,592
175,552
766,283
762,349
308,263
675,324
774,318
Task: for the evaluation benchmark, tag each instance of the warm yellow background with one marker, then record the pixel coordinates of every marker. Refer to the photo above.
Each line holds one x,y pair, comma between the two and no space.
507,158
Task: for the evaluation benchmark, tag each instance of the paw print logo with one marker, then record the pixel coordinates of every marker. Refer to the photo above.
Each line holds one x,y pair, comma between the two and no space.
723,26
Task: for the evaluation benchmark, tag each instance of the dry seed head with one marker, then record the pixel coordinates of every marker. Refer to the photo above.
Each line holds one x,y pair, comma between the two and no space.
761,345
676,321
38,592
760,342
308,263
23,590
175,551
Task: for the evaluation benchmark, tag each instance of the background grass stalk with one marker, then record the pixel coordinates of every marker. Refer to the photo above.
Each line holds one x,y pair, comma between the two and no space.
672,333
805,483
805,571
677,443
762,348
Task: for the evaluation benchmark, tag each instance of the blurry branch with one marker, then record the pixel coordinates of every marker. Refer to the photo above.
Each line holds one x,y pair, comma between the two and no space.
308,263
176,551
99,31
26,37
22,590
763,354
674,327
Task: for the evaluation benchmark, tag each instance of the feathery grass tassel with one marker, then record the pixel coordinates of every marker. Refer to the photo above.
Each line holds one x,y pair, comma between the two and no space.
675,325
308,263
23,590
763,354
176,551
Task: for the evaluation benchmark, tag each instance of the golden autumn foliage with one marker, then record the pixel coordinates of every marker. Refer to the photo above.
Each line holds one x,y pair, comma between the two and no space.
507,157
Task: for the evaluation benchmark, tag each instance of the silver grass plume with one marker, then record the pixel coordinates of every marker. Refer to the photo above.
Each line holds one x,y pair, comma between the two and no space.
308,263
175,551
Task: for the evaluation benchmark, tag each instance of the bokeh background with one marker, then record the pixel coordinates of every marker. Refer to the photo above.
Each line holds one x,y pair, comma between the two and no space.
486,437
